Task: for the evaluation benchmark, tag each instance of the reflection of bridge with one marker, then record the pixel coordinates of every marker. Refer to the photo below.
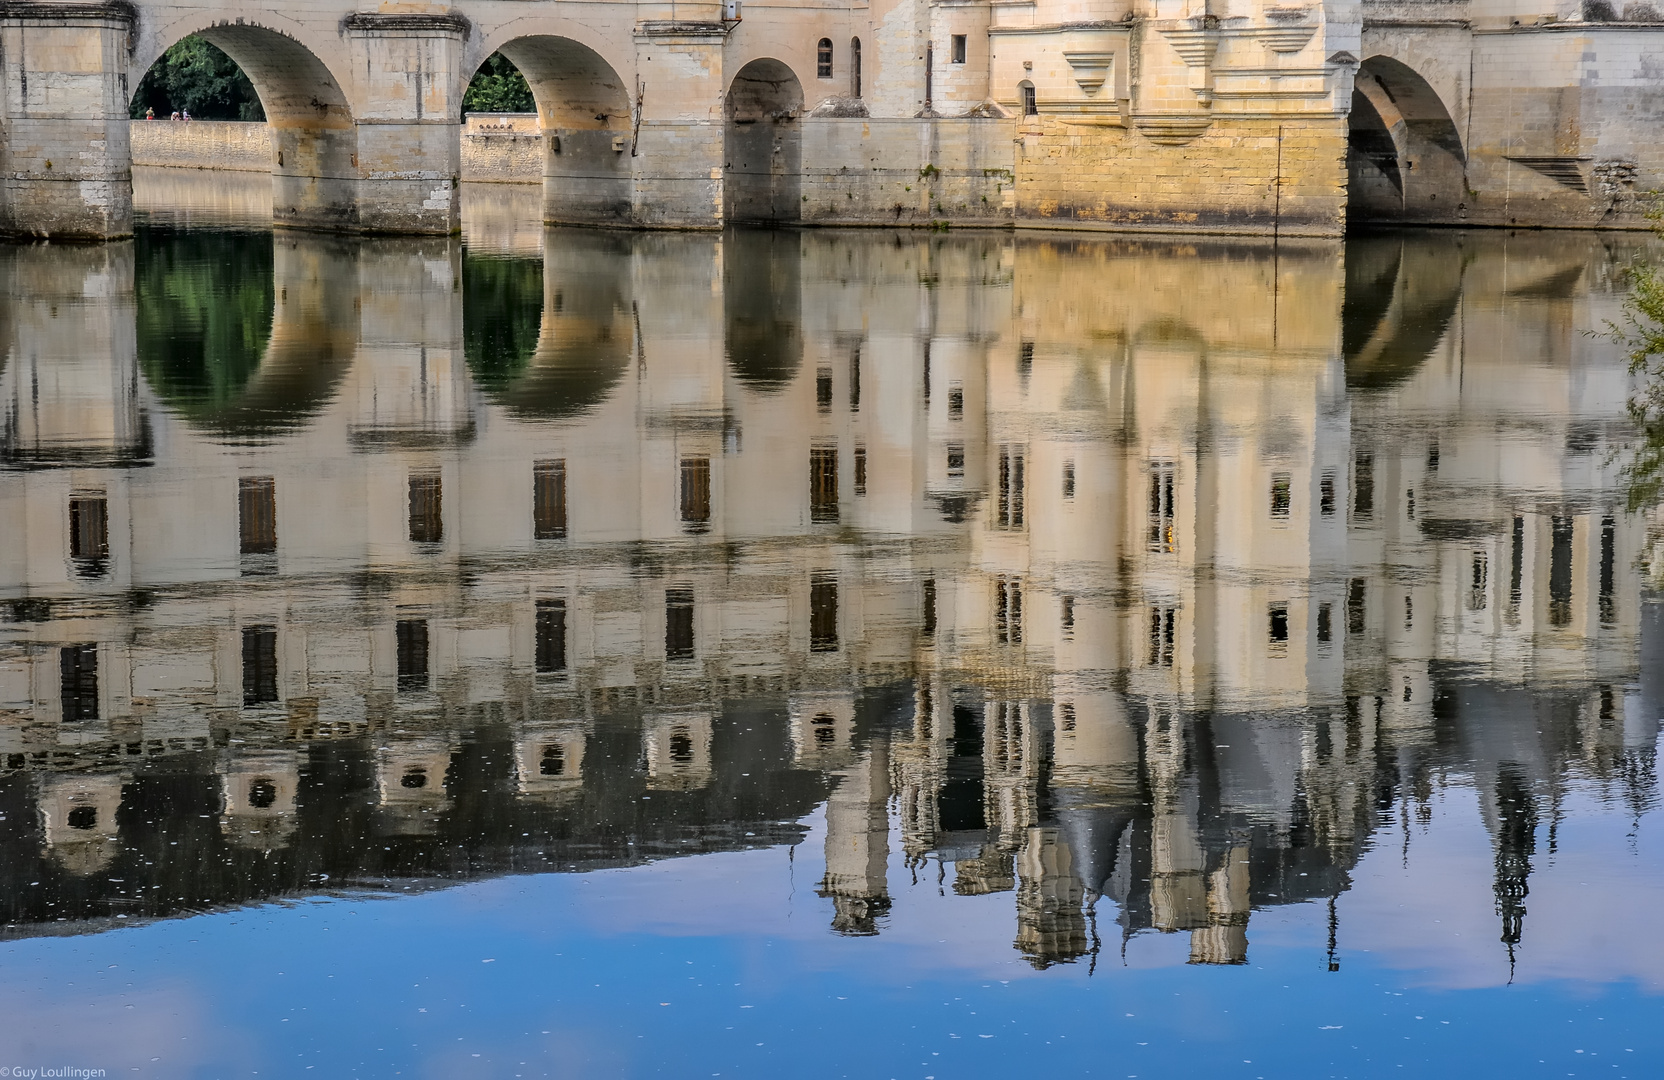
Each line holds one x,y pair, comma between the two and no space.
1265,117
1114,592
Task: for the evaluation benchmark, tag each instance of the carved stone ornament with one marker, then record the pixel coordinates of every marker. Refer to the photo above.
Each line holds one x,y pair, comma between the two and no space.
1197,48
1172,129
1091,69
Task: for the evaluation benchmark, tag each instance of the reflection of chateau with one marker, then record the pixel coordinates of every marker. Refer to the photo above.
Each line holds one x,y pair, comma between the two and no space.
1103,589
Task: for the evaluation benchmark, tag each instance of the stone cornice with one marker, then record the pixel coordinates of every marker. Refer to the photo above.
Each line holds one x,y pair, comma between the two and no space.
108,11
406,22
683,30
1058,28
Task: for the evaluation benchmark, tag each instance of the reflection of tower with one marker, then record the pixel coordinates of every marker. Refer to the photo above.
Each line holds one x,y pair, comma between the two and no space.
921,770
823,729
1177,861
1051,927
858,843
258,789
410,783
677,747
1224,940
1516,842
1011,764
78,819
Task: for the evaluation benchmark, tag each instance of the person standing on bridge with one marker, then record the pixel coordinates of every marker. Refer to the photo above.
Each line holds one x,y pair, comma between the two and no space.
150,114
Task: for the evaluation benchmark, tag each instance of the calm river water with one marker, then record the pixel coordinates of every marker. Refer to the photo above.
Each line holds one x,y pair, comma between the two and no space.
823,654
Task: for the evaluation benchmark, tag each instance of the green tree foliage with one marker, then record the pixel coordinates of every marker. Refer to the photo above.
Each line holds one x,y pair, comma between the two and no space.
498,86
197,77
1641,333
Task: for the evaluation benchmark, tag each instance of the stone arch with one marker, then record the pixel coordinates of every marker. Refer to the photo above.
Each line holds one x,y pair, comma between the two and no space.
313,132
1405,159
763,143
585,111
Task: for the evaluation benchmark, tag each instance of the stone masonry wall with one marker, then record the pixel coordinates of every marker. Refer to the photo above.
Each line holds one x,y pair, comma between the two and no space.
1225,179
859,171
502,148
202,144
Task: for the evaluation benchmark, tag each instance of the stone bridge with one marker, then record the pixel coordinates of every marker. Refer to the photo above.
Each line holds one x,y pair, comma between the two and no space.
1252,116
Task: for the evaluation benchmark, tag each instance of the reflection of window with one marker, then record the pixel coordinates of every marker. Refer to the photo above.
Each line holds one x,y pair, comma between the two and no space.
823,613
1282,495
1326,494
696,493
854,67
1025,362
1516,569
259,665
956,460
89,533
262,794
82,817
956,49
1068,479
1008,610
855,379
823,59
427,525
1608,571
551,636
1355,606
1068,617
824,726
678,623
823,484
927,625
1031,104
1008,507
860,470
1160,536
257,515
1277,629
553,760
1560,572
549,500
1363,487
412,639
1479,584
823,390
1162,620
1325,623
1066,716
78,681
1410,503
956,401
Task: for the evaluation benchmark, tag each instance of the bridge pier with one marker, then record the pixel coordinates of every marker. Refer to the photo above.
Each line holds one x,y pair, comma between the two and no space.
65,163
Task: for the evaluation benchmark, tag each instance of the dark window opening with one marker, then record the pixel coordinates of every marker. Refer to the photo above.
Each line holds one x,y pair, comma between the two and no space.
262,794
549,500
956,460
1560,572
1161,536
1068,479
823,613
927,625
678,623
415,778
1479,582
550,633
1282,495
860,470
89,534
427,525
1066,716
823,390
681,747
824,727
1608,571
1355,605
78,671
1433,456
956,401
957,50
82,817
855,379
854,67
1162,620
1008,508
1410,503
823,59
1277,630
1325,631
1031,104
257,515
412,639
1516,569
927,373
553,760
1025,362
1008,611
1068,616
1363,487
823,484
1326,495
259,665
1409,612
696,494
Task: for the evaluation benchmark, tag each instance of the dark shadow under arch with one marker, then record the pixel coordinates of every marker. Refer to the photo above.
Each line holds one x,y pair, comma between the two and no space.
763,148
1401,297
1405,160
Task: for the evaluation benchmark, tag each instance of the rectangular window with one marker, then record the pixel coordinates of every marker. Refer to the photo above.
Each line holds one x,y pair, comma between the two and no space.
956,401
1031,104
956,49
1161,635
823,390
259,665
1160,536
549,500
1608,571
1008,611
855,379
823,484
1325,624
1008,506
89,533
427,525
696,494
927,625
1277,629
860,470
257,515
678,623
1282,495
823,613
1326,495
1560,572
78,670
412,639
1479,584
1355,594
1068,480
551,637
1363,487
956,460
823,59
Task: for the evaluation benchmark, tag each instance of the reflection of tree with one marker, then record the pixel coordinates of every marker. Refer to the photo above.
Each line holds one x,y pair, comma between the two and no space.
502,316
1642,334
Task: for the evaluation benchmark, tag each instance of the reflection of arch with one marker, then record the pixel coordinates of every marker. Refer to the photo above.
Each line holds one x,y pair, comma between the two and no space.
761,297
314,141
1405,158
763,143
227,349
548,339
584,110
1401,294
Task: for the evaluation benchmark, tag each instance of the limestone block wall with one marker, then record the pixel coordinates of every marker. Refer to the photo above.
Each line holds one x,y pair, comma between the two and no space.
202,144
861,171
502,148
